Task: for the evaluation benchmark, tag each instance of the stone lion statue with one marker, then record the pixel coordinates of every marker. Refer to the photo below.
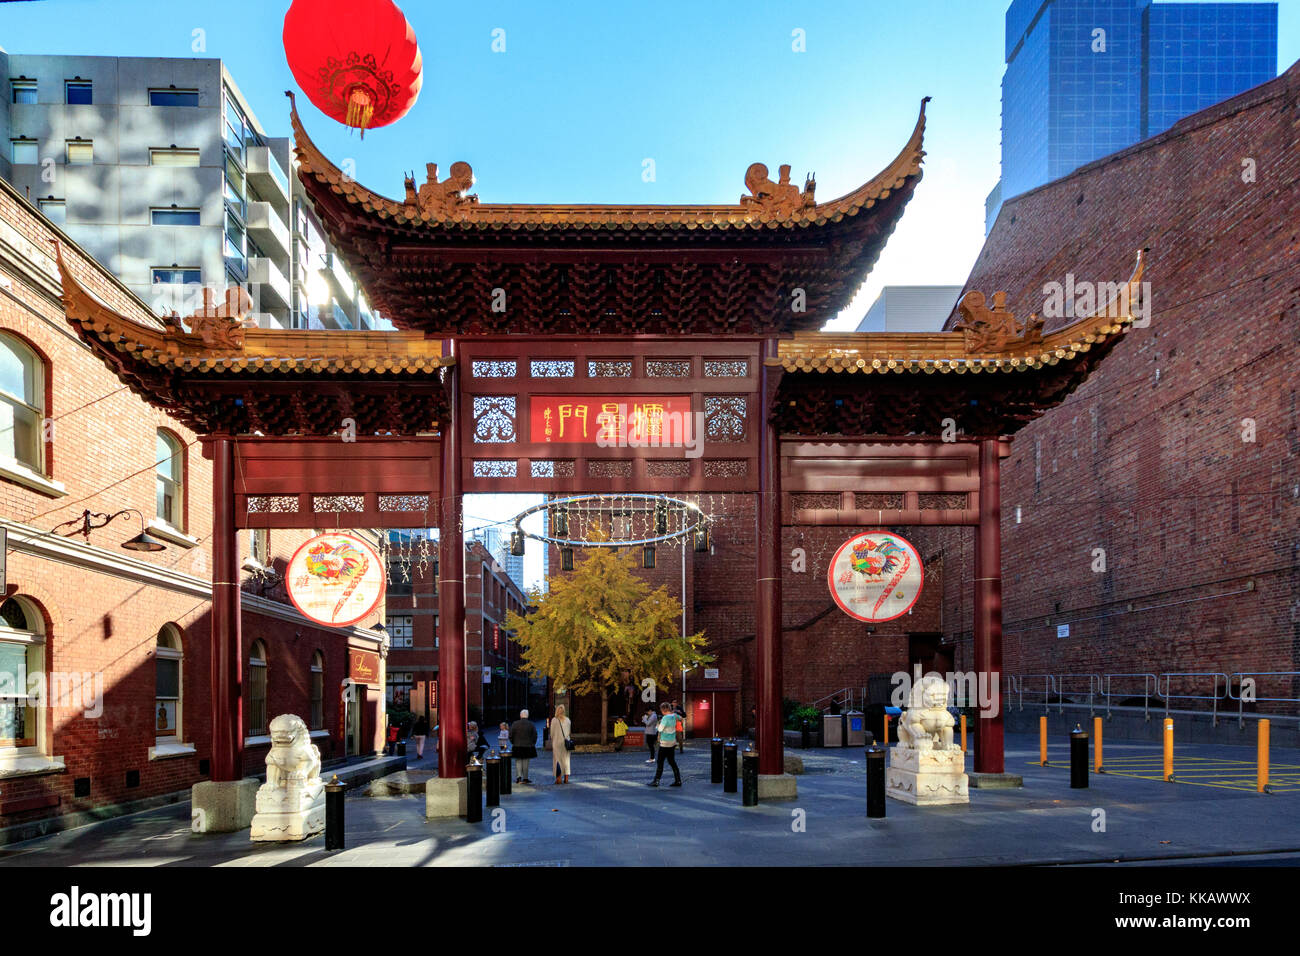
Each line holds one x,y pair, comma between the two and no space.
926,724
294,761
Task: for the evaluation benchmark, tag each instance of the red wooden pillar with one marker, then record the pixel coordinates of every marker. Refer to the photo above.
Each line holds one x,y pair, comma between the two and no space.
988,606
451,592
227,686
767,591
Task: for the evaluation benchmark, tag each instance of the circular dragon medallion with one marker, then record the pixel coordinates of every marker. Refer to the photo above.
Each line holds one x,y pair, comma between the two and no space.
876,576
335,579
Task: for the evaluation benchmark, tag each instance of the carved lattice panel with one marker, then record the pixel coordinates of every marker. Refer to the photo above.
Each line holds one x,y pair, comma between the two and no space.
609,368
724,417
493,368
273,504
551,468
495,468
726,368
494,419
668,368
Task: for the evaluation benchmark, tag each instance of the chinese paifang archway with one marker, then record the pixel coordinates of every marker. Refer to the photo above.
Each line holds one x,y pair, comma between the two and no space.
598,300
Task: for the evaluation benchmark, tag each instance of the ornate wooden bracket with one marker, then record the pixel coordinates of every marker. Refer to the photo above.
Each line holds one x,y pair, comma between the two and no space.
219,326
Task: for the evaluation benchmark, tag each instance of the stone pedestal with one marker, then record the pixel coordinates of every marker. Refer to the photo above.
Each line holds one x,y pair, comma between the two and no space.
445,797
222,806
927,778
777,786
289,813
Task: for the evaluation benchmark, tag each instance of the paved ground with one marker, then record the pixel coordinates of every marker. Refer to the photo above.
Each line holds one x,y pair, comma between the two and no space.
607,816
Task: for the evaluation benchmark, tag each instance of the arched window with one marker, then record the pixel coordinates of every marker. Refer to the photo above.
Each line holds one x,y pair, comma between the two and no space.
171,480
22,403
167,684
257,724
318,691
22,657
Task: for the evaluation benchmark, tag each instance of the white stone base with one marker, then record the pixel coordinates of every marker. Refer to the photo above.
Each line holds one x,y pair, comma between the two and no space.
927,778
222,806
284,816
445,798
777,786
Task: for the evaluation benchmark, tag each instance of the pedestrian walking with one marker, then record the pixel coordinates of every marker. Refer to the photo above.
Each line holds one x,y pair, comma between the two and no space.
474,739
523,745
503,736
651,723
561,743
420,732
670,728
681,736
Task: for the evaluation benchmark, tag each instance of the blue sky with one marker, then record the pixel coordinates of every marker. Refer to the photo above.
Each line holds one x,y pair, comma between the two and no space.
586,91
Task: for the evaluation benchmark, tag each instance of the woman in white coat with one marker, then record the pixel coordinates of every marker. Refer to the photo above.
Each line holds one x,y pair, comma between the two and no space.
559,732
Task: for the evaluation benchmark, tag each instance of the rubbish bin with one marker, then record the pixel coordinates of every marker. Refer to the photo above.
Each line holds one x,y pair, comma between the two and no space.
832,730
857,729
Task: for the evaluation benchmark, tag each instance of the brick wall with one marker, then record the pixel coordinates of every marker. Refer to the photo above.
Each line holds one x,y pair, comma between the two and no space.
1147,461
103,610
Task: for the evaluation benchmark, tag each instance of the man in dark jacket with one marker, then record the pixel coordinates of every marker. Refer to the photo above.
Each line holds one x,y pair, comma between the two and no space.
523,745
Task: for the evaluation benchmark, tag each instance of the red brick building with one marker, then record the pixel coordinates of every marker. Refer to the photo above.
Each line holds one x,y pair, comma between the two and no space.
1151,522
116,640
496,687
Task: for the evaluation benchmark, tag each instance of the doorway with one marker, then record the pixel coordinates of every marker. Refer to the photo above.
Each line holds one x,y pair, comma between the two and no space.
713,714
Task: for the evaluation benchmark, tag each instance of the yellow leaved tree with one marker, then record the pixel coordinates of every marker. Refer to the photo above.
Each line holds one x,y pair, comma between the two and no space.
599,620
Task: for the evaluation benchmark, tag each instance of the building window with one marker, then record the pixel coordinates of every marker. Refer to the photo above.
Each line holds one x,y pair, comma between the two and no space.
318,691
55,210
167,683
173,156
81,152
401,630
260,546
24,91
177,275
171,480
257,690
399,687
174,217
172,97
77,93
23,152
22,656
22,403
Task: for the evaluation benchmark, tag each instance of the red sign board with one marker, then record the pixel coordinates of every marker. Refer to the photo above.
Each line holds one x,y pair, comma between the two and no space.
611,420
363,666
876,576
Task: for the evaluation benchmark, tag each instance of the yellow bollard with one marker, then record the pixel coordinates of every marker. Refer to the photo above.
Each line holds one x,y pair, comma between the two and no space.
963,733
1096,737
1042,741
1169,750
885,739
1261,772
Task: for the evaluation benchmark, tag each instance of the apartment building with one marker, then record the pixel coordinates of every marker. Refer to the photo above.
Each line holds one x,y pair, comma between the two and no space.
160,170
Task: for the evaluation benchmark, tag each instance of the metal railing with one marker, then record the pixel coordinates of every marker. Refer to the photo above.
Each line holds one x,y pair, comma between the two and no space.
1238,679
1051,690
847,698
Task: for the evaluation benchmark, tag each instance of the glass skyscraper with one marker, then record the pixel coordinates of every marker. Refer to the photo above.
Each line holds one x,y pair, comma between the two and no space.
1085,78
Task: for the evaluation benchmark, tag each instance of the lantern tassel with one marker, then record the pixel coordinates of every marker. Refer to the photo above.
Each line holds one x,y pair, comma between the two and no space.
360,109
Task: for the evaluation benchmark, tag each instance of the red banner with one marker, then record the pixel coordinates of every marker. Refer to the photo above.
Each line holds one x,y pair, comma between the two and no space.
611,420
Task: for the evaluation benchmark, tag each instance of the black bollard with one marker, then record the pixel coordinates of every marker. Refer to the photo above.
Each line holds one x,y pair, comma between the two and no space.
334,814
507,781
1078,759
492,776
844,729
875,781
805,736
715,760
749,778
474,792
729,767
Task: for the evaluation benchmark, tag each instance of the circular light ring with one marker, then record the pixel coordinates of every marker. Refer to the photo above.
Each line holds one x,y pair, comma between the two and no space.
687,506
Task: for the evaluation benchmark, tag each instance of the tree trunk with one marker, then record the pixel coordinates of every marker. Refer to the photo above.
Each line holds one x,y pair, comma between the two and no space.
604,718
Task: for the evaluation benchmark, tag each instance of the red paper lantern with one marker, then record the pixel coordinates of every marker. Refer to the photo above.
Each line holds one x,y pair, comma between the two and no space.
357,60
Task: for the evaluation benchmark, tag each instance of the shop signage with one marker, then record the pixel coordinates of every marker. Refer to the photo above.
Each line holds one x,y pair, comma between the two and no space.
363,666
336,579
875,576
